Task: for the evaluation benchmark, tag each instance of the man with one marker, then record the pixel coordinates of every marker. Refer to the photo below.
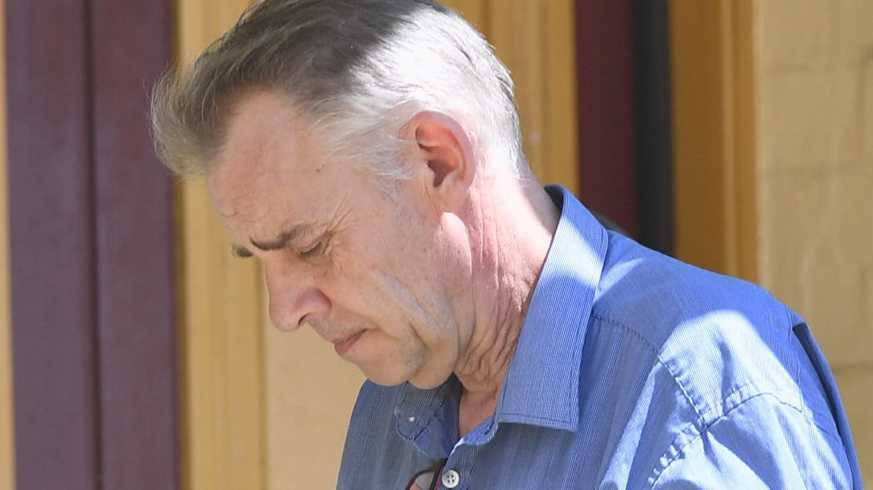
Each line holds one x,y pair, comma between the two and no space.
368,152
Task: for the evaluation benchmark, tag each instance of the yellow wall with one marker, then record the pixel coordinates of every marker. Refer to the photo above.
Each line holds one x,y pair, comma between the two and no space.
220,323
310,394
714,130
537,41
7,460
816,180
7,453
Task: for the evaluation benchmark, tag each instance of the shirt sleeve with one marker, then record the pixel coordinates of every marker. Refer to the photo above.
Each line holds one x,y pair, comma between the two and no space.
761,443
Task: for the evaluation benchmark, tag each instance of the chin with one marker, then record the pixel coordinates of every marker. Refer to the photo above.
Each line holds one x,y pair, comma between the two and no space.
385,380
421,381
383,375
430,380
427,385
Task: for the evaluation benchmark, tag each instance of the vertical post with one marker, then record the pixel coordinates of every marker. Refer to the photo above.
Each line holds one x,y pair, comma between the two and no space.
7,455
221,316
52,247
136,337
714,118
93,341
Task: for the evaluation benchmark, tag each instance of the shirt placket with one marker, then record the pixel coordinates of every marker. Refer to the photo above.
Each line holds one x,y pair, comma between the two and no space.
457,473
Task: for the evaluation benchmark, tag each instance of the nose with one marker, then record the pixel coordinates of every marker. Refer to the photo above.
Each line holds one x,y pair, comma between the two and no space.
293,299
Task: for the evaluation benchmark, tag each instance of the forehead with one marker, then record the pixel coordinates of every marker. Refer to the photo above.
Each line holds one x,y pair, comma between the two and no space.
262,136
268,160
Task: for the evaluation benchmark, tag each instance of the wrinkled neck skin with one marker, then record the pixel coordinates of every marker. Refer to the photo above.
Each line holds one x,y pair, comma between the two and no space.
511,228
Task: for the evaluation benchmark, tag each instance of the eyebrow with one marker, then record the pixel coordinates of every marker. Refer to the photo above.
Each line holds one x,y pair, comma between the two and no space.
281,241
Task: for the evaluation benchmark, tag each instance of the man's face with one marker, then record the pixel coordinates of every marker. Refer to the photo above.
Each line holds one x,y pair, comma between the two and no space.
380,277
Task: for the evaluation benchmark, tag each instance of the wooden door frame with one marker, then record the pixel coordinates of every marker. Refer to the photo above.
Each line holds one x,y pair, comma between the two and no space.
712,55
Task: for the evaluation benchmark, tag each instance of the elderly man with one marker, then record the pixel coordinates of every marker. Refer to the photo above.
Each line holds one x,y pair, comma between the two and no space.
368,153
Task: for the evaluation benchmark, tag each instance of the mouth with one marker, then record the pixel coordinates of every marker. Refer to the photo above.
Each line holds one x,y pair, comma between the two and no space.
344,345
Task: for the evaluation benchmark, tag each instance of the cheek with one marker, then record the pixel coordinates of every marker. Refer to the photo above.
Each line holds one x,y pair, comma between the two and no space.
404,269
348,282
367,277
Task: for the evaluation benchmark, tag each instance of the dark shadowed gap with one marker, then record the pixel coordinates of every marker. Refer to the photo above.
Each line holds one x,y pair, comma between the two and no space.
605,59
625,150
654,155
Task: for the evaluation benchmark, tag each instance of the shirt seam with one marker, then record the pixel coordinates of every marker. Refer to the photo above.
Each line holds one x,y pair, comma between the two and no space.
701,426
537,417
701,422
677,450
700,419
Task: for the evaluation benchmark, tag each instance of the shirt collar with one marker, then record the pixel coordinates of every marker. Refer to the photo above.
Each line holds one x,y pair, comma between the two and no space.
542,385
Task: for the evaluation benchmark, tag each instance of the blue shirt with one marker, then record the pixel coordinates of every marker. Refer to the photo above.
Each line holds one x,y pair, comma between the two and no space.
632,370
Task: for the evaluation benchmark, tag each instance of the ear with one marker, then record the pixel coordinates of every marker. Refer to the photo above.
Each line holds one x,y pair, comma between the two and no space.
442,154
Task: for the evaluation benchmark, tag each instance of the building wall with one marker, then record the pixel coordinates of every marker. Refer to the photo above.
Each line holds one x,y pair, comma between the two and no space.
815,80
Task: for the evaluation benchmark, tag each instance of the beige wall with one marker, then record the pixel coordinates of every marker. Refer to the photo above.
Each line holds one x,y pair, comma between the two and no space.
310,394
815,80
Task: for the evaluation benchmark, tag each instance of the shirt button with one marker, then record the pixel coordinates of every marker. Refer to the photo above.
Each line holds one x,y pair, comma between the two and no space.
451,479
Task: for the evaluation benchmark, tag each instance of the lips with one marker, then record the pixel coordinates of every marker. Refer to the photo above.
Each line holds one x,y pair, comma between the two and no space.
342,346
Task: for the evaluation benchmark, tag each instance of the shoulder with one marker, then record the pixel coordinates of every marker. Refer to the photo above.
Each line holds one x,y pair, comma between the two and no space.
719,337
714,348
726,347
655,294
722,340
760,442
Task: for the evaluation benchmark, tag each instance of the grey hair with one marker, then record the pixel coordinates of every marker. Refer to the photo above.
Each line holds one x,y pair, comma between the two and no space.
356,70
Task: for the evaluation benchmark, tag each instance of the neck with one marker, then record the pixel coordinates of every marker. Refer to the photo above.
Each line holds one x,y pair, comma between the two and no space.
517,223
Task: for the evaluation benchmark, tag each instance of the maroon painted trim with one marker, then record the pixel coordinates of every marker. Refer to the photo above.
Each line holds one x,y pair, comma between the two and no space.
51,246
605,50
94,350
133,195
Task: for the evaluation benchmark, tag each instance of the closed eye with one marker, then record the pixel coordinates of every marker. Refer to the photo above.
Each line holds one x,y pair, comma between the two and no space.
240,252
314,250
